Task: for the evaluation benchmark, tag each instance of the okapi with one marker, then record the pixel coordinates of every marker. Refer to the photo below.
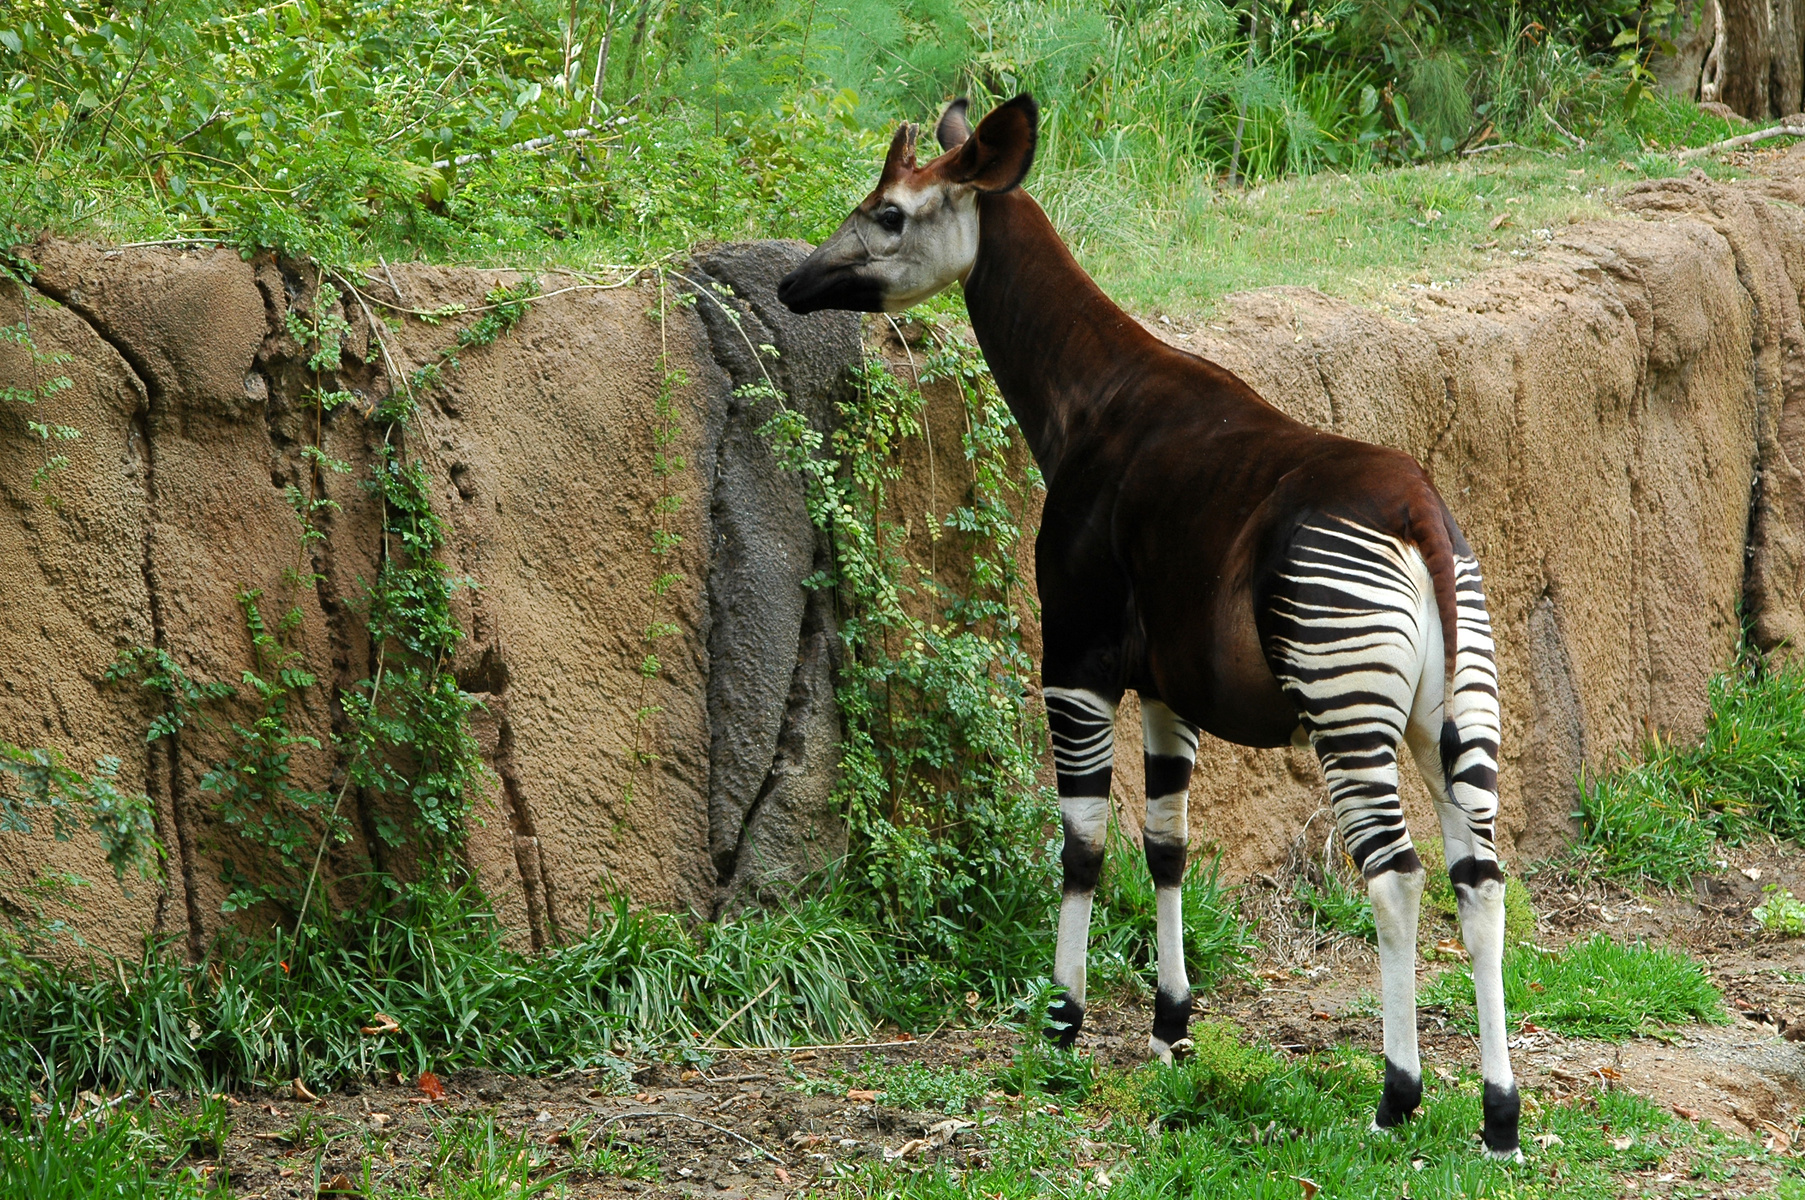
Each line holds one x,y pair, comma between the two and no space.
1245,574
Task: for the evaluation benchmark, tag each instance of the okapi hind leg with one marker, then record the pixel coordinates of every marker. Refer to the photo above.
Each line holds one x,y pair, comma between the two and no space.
1170,747
1456,749
1082,724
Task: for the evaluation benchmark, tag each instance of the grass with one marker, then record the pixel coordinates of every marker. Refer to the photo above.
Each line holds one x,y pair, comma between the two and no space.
1662,819
133,1153
1593,989
1362,236
273,1008
1242,1119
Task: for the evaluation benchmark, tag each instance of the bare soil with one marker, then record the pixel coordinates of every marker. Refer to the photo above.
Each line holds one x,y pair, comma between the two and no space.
764,1125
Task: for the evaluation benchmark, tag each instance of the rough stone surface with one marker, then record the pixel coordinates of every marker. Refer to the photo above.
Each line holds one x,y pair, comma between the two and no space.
764,547
195,406
1618,423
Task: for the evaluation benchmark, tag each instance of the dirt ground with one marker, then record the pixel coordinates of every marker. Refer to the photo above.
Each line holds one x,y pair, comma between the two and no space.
763,1125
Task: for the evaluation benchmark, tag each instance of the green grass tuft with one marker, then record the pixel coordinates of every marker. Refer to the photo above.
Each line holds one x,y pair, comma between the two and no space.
1597,989
1661,819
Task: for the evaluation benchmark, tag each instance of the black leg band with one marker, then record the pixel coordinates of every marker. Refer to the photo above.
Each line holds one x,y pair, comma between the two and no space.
1403,1092
1065,1018
1171,1017
1503,1107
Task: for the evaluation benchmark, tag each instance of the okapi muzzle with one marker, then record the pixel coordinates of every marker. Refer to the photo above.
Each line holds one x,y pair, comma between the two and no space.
917,232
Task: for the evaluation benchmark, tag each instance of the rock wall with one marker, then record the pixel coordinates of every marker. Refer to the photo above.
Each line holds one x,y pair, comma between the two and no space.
694,789
1619,424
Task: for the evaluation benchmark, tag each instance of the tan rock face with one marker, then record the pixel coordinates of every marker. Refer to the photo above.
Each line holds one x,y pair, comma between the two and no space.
1616,423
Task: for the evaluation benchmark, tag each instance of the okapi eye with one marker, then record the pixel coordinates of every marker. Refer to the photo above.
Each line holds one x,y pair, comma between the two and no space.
891,219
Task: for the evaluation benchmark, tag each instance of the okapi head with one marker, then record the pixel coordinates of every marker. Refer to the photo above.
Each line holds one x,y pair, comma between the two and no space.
917,231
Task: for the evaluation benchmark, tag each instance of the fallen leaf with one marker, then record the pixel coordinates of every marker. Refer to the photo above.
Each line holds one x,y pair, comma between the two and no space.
1607,1072
1777,1140
1309,1186
301,1092
903,1037
1624,1142
378,1120
1545,1140
1684,1114
1052,1110
1417,1164
1273,974
861,1096
338,1185
908,1149
1499,221
783,1176
379,1024
1321,1016
430,1086
805,1056
1528,1026
1451,948
802,1141
1752,872
689,1075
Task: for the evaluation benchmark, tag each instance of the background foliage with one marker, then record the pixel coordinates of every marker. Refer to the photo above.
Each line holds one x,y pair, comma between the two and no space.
348,128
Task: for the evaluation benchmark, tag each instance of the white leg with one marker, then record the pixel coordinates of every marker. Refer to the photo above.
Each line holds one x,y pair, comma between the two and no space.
1170,746
1456,749
1397,898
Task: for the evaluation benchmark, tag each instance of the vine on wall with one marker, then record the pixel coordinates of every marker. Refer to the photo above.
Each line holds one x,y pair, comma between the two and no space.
940,770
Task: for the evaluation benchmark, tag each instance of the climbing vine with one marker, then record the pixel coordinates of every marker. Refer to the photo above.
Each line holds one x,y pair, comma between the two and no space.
939,775
662,541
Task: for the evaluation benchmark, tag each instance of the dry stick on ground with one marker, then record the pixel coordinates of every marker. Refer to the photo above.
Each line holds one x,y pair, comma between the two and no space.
740,1011
1745,139
675,1116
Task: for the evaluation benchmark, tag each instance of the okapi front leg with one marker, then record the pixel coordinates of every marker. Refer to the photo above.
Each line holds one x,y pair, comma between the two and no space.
1170,746
1082,723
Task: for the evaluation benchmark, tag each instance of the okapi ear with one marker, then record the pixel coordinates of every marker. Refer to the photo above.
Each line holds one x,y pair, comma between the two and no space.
902,151
954,129
997,156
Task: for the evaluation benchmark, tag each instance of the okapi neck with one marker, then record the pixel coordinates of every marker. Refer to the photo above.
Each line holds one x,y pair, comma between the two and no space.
1053,340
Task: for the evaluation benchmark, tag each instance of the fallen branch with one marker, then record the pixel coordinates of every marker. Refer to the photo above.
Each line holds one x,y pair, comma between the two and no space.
1744,139
530,146
740,1011
1563,130
1488,149
675,1116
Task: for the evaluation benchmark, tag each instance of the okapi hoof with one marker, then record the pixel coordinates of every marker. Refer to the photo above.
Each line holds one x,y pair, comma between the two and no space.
1502,1108
1065,1018
1398,1102
1173,1053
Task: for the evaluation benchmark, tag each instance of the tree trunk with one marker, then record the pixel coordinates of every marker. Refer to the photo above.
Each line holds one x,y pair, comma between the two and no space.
1787,91
1693,31
1745,57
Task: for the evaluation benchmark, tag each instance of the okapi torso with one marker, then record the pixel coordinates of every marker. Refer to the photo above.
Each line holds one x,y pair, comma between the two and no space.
1246,575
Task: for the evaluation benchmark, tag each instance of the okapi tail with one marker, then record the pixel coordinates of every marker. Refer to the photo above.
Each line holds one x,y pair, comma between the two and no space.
1470,728
1432,529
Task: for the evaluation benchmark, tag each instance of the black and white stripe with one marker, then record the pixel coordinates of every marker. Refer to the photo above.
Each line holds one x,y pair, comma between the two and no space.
1349,642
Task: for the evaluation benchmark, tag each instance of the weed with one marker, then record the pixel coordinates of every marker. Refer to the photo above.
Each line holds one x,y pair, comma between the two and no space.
916,1087
601,1153
1780,912
471,1159
1596,988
